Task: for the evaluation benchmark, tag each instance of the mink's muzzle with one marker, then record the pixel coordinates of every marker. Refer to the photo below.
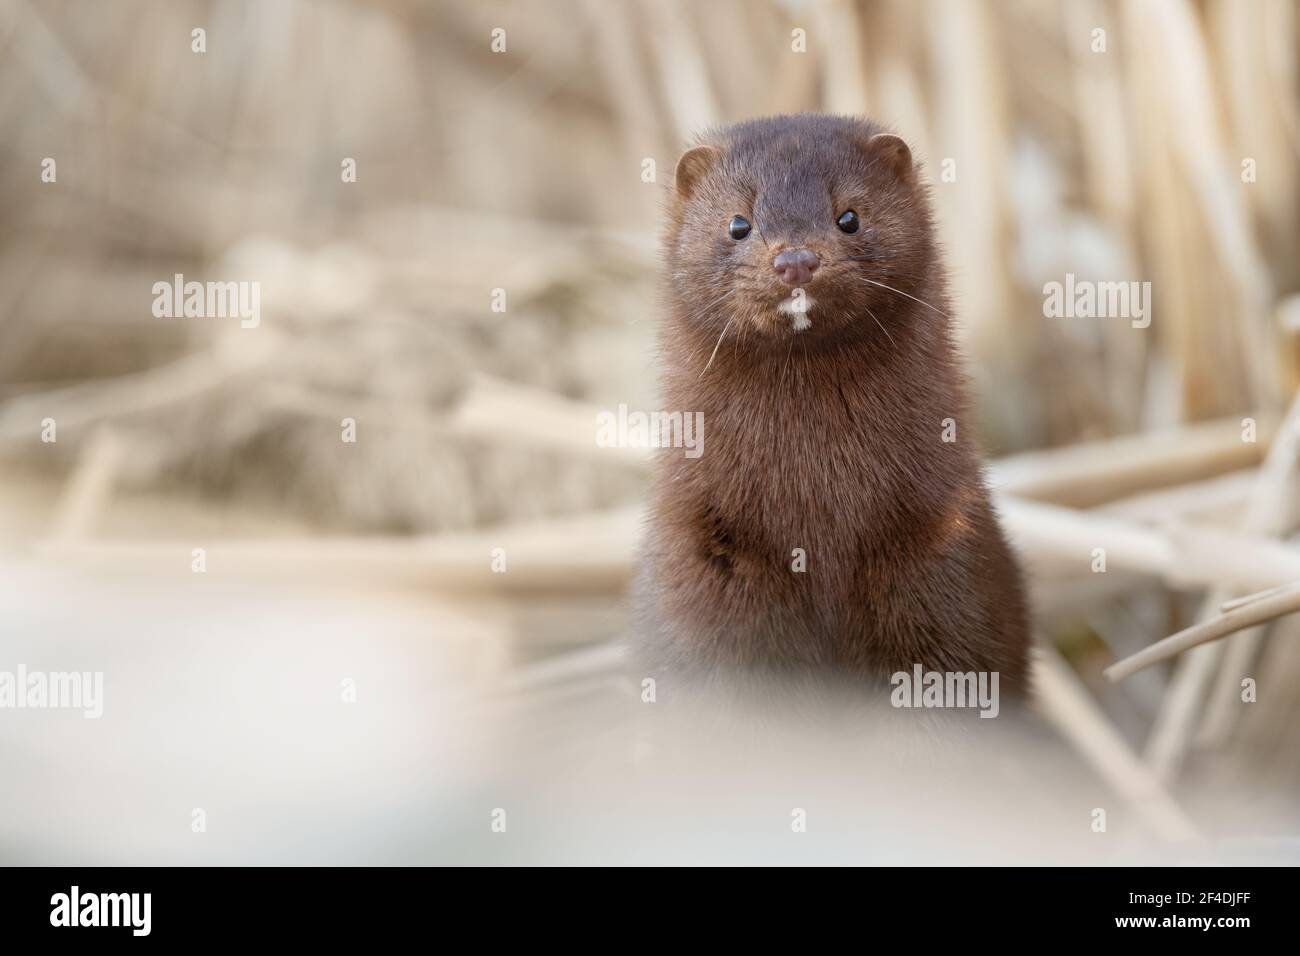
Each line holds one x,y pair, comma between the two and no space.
796,266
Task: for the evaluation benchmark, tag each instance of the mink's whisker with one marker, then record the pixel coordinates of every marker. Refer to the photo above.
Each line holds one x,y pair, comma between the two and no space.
902,293
786,367
716,347
702,311
882,328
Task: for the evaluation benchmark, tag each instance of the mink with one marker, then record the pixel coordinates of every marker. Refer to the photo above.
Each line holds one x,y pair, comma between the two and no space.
837,520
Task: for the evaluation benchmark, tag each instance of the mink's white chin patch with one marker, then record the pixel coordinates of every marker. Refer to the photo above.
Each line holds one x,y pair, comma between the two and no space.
797,307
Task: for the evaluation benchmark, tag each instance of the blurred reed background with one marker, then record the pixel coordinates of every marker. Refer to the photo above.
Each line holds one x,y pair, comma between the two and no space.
523,170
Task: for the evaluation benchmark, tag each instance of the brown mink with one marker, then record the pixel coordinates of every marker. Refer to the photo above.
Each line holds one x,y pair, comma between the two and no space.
807,322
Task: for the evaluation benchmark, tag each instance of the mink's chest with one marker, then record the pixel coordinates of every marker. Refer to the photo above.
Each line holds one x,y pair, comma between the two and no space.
833,473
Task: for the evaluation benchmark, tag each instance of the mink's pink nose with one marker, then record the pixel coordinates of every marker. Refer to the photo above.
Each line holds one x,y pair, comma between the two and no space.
795,266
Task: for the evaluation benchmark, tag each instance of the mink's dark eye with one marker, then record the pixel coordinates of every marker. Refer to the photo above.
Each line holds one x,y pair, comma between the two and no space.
848,221
738,228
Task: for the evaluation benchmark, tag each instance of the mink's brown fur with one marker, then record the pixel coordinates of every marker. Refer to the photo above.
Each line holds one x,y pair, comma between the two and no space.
829,439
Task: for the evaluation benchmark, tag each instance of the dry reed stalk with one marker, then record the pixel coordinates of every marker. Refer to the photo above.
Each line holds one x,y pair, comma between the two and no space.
1094,473
894,34
1269,514
586,554
1256,55
1261,608
1183,557
1207,242
79,406
90,486
1099,110
1217,502
841,58
1076,716
683,74
625,74
972,128
1276,513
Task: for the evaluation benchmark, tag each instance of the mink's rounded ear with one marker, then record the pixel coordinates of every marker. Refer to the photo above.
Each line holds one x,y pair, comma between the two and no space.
692,167
893,152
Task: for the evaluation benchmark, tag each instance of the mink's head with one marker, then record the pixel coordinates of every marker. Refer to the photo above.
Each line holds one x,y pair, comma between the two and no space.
810,224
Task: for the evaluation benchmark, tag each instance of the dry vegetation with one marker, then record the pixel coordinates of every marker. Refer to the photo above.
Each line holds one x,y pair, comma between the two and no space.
523,171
